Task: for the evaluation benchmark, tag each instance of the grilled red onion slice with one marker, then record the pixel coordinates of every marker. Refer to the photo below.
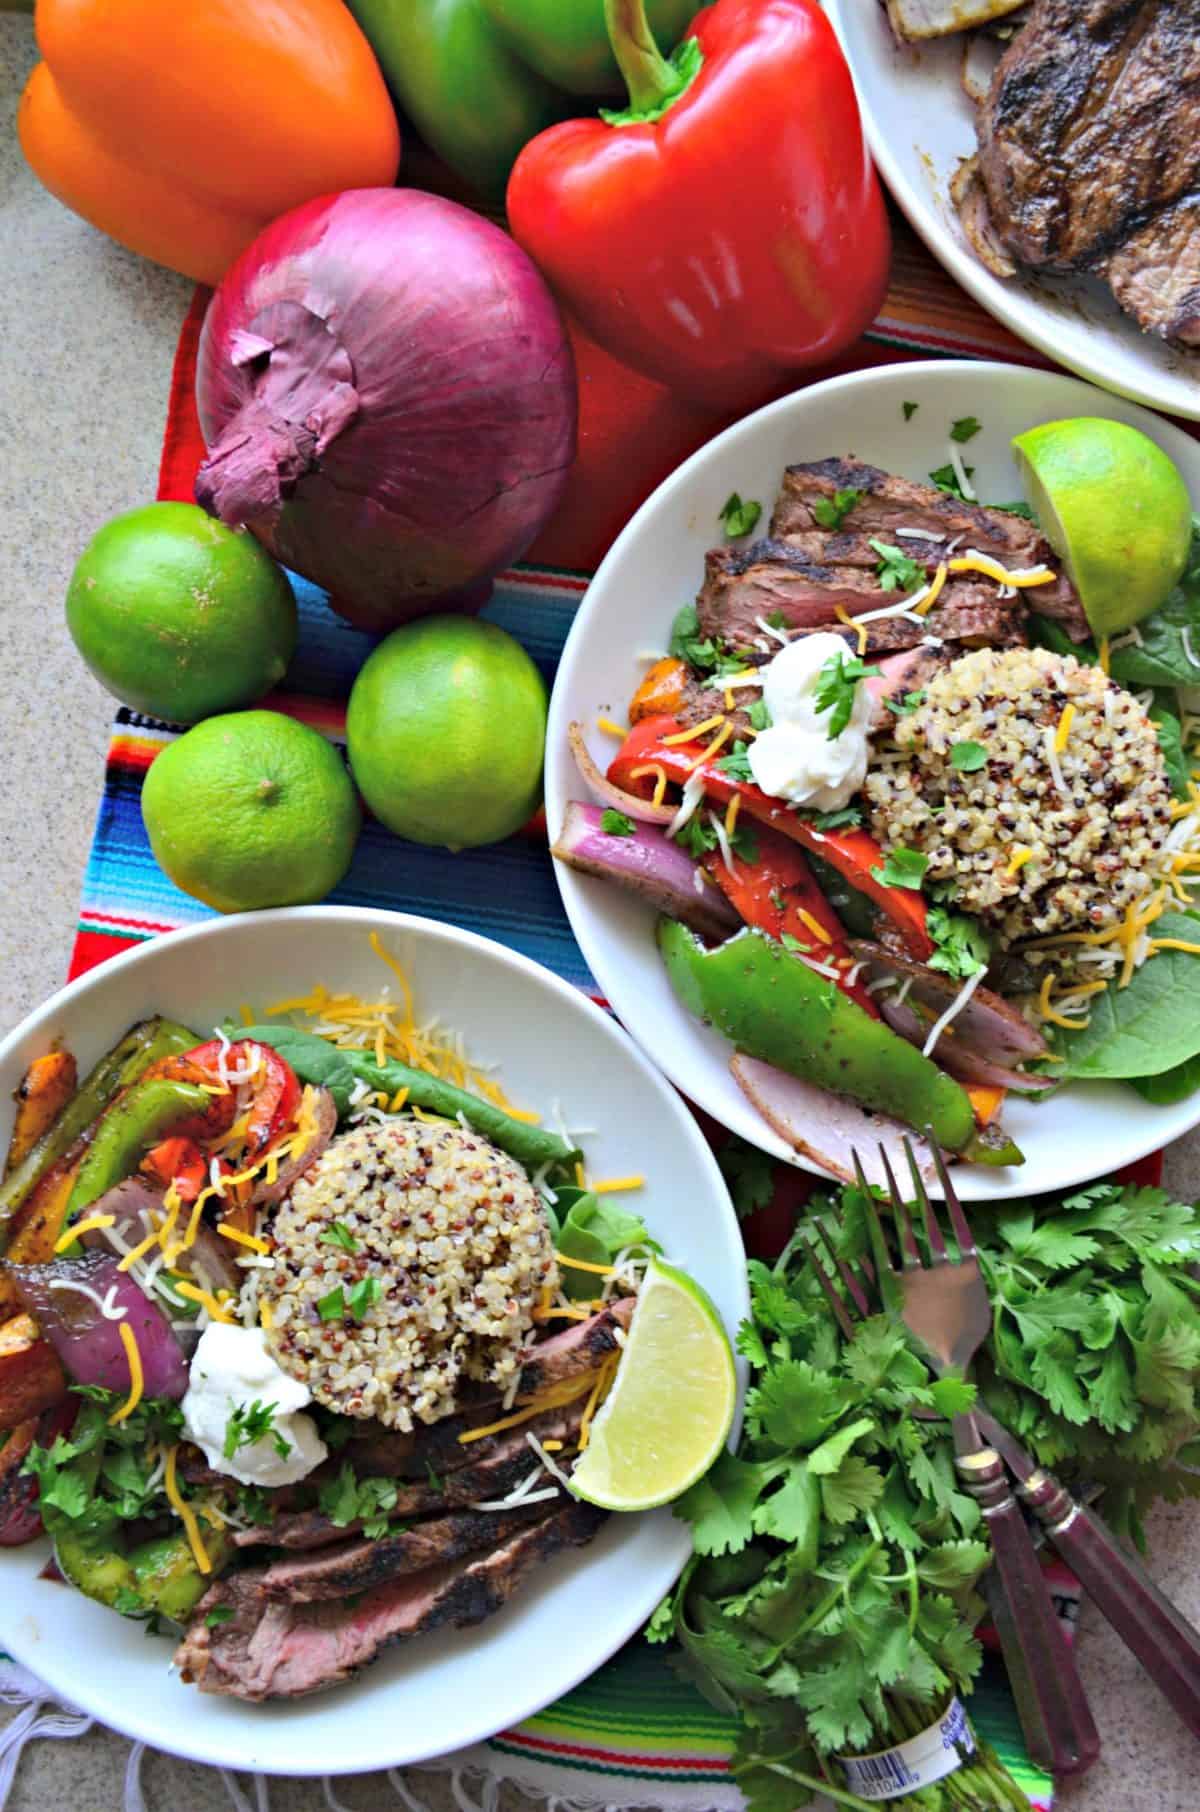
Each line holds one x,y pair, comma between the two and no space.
629,803
649,864
987,1026
87,1339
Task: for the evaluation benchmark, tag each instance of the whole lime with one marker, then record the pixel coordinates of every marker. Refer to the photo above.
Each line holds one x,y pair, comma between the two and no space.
179,616
251,809
447,729
1115,508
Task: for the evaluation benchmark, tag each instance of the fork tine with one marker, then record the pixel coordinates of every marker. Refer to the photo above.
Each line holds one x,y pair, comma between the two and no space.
958,1219
840,1311
855,1290
933,1232
883,1262
910,1257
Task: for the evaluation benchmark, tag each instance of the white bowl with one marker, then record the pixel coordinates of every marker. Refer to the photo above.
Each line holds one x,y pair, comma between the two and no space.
657,564
437,1693
919,123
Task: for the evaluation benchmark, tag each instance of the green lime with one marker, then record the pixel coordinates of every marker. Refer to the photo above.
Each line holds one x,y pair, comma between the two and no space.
671,1405
1116,511
447,728
252,809
180,616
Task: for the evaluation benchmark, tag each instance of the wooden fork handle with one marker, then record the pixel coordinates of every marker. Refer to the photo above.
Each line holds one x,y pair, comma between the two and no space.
1165,1643
1059,1729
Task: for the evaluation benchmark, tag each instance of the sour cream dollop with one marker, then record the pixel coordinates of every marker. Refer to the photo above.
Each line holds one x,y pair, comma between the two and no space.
796,758
231,1369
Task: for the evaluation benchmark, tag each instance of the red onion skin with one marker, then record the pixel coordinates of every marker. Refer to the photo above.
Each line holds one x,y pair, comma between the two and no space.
87,1343
387,394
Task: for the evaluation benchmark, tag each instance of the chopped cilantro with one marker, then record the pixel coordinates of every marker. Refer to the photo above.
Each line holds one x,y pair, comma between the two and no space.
902,868
738,517
696,837
432,1476
904,707
220,1613
775,619
968,757
333,1306
962,945
792,943
835,689
847,817
348,1499
831,512
252,1422
750,1174
1014,509
759,716
688,645
744,843
616,824
910,409
339,1234
946,479
737,763
365,1293
965,429
129,1603
896,571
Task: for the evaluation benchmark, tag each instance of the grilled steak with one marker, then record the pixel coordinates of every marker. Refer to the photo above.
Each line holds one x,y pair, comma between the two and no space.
1089,151
360,1566
488,1468
889,503
269,1649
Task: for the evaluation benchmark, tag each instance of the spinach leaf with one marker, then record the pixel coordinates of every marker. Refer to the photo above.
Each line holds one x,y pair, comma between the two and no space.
1162,658
1172,1085
1170,741
593,1230
1148,1028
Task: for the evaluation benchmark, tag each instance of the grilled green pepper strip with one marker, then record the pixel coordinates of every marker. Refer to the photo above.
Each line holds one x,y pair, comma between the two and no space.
140,1047
131,1126
160,1576
317,1061
774,1007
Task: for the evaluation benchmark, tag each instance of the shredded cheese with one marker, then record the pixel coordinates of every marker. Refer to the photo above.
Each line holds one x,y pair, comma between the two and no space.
952,1011
931,596
719,740
731,813
1104,654
137,1380
611,729
814,925
975,562
567,1392
581,1264
695,732
243,1239
660,779
1051,1013
614,1185
264,1314
1056,772
92,1224
1020,855
600,1389
1064,728
184,1512
843,616
193,1293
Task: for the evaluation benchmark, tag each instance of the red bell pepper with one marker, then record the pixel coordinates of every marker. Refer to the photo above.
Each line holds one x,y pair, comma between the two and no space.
777,893
728,229
179,1161
276,1092
854,853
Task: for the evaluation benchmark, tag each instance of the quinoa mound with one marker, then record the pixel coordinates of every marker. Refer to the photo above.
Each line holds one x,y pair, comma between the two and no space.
1094,841
456,1236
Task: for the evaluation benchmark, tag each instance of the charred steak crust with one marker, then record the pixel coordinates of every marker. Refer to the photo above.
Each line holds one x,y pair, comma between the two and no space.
272,1649
360,1565
1089,151
889,502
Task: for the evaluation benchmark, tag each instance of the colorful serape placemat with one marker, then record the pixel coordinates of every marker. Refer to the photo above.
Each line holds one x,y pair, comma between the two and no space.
634,1734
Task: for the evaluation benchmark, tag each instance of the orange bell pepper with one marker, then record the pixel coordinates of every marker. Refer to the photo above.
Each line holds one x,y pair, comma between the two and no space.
182,130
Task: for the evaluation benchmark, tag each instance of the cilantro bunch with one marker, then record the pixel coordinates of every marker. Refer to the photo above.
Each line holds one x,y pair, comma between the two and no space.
102,1473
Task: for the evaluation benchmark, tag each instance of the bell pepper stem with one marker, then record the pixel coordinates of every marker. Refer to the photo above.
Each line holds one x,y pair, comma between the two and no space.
651,79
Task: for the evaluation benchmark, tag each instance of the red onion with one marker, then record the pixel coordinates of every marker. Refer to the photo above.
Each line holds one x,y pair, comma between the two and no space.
988,1025
85,1339
630,803
388,398
650,864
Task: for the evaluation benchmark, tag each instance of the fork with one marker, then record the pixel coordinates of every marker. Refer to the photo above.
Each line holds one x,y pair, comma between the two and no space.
944,1304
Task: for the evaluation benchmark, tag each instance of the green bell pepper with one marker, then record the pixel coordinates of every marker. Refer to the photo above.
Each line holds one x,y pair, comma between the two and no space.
480,78
128,1130
159,1576
774,1007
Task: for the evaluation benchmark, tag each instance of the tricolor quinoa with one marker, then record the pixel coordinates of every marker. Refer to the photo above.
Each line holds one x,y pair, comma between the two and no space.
460,1244
1039,838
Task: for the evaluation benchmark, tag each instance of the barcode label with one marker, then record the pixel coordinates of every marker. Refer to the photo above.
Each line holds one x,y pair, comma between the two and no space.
923,1759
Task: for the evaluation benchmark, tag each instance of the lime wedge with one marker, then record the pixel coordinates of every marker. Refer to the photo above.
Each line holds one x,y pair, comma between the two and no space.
666,1418
1116,511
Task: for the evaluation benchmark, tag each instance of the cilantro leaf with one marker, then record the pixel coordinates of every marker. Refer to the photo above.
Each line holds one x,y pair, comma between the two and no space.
737,763
616,824
831,512
829,1455
364,1295
332,1306
836,687
251,1422
758,715
968,757
739,517
946,479
794,1405
910,409
338,1234
896,570
965,429
696,836
962,944
847,817
720,1506
750,1174
902,868
220,1613
688,645
853,1488
348,1499
952,1396
904,707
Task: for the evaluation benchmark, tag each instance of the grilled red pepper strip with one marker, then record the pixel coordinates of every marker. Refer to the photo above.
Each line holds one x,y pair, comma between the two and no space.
728,229
777,893
276,1092
854,853
178,1161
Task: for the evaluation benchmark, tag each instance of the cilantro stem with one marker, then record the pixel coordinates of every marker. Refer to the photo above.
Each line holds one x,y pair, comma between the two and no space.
815,1786
830,1599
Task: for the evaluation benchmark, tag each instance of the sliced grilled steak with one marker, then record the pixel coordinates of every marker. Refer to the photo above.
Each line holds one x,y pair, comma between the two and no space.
466,1473
360,1566
270,1650
852,547
580,1348
1089,150
888,503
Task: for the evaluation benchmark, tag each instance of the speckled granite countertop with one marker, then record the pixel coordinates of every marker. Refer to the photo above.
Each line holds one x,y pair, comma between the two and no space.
87,335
